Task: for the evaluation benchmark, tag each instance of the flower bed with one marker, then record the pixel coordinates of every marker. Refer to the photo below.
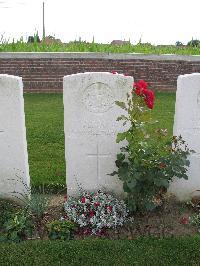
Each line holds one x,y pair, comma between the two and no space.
96,212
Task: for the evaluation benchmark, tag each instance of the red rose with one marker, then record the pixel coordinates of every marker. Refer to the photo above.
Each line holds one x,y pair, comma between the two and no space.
140,87
65,198
92,213
96,204
109,208
138,92
114,72
149,98
149,104
141,84
184,220
83,199
149,95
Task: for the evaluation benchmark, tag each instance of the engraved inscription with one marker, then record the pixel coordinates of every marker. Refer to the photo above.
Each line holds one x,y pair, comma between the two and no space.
96,127
98,156
98,98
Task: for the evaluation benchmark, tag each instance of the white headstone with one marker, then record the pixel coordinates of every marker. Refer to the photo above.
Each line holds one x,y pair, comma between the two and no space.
187,124
90,124
14,170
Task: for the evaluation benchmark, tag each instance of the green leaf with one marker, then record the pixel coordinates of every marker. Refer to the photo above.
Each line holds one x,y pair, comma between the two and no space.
14,236
137,175
122,117
3,237
184,176
132,206
54,235
120,156
113,173
121,137
129,137
124,149
161,183
121,104
132,183
187,163
123,171
126,188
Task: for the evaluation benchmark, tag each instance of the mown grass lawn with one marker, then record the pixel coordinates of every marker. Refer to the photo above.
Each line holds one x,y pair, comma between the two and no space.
45,133
182,251
45,137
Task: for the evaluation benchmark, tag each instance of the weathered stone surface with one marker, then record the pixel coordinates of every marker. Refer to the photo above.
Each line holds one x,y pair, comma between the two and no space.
90,123
14,169
187,124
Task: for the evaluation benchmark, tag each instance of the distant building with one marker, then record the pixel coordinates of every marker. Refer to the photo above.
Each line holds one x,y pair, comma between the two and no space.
119,42
50,40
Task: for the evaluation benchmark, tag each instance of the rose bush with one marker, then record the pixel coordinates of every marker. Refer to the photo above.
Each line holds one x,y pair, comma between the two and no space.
142,90
149,161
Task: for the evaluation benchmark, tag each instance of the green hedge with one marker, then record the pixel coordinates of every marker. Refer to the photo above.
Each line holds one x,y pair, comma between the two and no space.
171,251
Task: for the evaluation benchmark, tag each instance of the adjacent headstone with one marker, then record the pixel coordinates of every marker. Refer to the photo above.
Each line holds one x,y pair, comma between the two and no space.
14,169
187,124
90,124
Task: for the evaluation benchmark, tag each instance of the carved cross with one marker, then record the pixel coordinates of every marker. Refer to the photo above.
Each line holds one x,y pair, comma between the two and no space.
98,156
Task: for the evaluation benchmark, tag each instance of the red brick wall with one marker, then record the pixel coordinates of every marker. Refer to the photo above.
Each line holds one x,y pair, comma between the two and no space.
43,72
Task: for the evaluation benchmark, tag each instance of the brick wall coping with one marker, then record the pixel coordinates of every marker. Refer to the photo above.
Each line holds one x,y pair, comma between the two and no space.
108,56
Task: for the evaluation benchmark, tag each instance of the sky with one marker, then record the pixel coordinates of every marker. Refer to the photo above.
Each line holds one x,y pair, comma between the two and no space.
153,21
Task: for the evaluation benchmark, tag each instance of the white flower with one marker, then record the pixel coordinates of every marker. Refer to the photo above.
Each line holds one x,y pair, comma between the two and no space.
102,216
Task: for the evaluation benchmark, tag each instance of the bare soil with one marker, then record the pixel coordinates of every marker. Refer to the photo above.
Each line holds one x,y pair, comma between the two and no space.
171,219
